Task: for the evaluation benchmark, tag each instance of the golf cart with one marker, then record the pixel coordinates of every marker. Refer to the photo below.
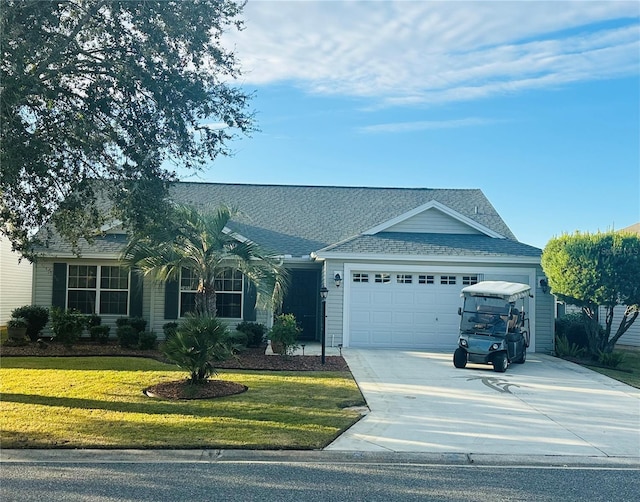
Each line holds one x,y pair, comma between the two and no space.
494,328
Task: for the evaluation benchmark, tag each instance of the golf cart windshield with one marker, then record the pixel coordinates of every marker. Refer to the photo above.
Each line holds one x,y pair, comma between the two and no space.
485,315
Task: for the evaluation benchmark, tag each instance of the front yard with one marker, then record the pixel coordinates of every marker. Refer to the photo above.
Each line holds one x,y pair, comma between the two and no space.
98,402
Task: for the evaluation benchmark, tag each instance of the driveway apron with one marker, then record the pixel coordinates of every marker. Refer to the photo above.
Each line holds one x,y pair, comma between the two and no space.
420,403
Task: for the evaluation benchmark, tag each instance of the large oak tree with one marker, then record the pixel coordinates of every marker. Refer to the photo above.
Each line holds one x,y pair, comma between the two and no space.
123,91
597,270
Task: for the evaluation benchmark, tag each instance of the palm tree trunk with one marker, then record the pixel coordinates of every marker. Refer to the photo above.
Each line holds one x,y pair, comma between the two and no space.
206,300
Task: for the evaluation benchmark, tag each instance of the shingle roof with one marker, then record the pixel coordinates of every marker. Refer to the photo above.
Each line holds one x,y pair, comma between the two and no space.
298,220
412,244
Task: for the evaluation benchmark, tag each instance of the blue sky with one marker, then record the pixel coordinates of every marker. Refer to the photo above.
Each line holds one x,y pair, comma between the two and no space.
535,103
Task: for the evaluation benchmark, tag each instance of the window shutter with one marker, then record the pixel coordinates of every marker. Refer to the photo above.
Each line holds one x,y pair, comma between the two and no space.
135,295
249,303
59,292
171,292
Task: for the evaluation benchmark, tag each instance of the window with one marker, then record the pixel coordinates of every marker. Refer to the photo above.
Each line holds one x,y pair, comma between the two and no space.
228,287
469,280
447,279
101,290
229,294
404,278
358,277
425,279
383,278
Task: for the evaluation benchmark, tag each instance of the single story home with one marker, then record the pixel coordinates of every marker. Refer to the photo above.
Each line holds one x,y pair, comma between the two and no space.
394,261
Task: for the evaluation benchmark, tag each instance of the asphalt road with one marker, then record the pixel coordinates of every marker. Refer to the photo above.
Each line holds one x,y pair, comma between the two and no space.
308,481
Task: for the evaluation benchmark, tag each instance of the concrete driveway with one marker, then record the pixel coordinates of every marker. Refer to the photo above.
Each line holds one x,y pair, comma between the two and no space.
420,403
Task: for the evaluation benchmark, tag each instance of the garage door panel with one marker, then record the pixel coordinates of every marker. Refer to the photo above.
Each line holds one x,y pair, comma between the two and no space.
381,298
403,318
359,317
404,315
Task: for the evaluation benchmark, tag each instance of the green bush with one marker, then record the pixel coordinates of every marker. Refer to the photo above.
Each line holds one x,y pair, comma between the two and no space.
255,333
237,340
128,337
571,326
36,317
67,326
147,340
137,323
198,342
99,333
93,320
564,348
610,359
169,329
284,333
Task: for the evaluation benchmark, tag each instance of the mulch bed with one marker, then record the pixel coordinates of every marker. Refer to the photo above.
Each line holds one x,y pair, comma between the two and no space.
182,389
250,359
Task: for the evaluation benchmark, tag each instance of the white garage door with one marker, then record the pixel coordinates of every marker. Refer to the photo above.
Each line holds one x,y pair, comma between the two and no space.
405,310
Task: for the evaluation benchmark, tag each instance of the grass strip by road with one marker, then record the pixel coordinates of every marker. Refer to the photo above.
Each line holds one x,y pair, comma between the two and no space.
98,402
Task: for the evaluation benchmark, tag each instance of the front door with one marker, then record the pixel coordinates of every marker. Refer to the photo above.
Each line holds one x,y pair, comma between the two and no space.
302,300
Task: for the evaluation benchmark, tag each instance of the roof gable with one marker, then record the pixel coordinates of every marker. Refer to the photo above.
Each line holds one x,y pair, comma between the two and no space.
433,217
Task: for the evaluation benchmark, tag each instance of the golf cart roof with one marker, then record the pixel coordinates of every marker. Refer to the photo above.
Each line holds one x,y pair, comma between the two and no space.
508,291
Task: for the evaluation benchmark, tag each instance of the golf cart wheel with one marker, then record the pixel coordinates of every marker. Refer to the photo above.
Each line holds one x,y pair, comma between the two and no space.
500,362
523,357
460,358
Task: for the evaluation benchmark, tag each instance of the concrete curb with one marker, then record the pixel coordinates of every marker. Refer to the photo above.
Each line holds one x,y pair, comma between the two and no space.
296,456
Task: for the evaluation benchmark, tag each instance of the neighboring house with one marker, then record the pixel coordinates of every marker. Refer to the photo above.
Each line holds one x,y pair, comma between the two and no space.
15,281
632,336
402,254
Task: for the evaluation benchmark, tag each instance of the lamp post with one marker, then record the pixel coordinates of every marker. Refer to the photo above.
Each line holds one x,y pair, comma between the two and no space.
323,295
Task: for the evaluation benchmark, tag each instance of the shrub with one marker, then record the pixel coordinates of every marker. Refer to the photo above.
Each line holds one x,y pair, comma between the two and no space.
147,340
284,334
137,323
67,326
17,323
255,333
198,342
571,326
564,348
169,329
93,320
610,359
127,336
99,333
36,317
237,340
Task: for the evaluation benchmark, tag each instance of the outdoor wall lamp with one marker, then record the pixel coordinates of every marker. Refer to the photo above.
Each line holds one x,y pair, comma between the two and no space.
544,285
337,279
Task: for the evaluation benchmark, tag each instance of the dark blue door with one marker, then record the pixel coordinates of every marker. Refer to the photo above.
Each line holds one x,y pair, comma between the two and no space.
303,301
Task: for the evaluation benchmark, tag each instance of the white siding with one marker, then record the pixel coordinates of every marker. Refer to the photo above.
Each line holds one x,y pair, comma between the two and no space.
632,335
15,281
432,221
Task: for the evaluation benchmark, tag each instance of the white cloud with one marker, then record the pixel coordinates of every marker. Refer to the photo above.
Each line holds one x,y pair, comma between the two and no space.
423,125
401,52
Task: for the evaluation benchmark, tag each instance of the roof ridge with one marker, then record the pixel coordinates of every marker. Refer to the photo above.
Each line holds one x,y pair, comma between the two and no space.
341,187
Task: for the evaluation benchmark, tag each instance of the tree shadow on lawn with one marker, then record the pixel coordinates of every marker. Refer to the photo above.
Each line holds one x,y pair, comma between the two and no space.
308,400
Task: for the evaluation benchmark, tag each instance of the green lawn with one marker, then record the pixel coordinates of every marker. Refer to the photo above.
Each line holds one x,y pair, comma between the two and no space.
97,402
628,371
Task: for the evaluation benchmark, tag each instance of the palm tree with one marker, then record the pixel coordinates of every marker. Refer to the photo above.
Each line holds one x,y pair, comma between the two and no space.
202,243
